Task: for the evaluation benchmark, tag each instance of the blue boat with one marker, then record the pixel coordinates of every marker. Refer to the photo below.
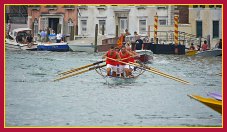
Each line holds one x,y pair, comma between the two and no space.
60,47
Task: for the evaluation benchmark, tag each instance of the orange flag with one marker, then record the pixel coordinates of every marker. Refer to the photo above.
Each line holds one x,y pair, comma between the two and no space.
120,41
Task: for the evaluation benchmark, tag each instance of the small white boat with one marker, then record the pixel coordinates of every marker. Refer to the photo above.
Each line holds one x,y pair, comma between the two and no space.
17,40
81,47
210,53
82,44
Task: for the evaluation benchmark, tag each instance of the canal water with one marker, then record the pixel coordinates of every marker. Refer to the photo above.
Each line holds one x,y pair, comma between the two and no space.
33,99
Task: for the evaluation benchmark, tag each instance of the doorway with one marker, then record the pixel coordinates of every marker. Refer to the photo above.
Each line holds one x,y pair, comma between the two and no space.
53,24
123,24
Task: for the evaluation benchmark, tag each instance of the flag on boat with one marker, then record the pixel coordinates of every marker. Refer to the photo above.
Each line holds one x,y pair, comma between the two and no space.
120,41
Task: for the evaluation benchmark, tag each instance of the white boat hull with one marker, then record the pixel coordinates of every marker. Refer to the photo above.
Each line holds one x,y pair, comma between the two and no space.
12,45
210,53
82,47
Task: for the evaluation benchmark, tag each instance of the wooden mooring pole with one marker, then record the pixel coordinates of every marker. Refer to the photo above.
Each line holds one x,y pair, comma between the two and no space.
96,36
116,30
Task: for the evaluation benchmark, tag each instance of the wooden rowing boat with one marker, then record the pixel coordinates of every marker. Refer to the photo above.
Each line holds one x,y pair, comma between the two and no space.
210,102
119,80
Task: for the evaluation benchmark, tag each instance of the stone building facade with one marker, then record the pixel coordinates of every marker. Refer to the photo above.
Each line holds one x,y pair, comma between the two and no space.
206,20
60,18
117,18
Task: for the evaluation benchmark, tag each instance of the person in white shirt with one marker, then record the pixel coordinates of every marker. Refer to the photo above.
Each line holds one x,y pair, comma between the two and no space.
59,37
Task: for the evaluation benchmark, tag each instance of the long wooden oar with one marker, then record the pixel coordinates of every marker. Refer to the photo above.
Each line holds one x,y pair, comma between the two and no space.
155,72
161,73
74,74
80,68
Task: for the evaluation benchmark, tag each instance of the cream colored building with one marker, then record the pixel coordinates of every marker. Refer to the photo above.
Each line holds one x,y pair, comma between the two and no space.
206,20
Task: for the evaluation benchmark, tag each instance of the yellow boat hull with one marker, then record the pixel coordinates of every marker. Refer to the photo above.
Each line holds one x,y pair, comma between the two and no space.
212,103
191,52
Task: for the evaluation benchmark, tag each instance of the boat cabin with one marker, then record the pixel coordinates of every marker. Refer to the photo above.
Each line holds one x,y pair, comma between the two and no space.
21,35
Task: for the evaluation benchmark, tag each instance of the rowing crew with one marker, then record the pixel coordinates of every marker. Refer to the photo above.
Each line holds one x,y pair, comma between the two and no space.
117,61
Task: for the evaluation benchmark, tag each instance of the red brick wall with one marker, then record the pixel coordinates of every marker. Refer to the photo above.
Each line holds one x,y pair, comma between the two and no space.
60,10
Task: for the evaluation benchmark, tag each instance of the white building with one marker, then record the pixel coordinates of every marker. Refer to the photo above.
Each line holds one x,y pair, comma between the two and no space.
133,18
193,19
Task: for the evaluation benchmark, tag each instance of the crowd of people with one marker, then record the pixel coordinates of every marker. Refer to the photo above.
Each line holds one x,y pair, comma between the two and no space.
43,34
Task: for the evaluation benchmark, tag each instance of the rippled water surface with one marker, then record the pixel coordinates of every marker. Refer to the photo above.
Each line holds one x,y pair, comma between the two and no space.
33,99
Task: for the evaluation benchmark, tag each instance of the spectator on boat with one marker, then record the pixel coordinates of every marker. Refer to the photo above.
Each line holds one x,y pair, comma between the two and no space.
59,36
136,36
43,35
139,44
111,65
29,38
127,33
19,39
53,32
205,46
192,47
219,44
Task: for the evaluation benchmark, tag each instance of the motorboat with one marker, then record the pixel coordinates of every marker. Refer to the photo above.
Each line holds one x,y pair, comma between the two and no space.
210,53
18,40
82,45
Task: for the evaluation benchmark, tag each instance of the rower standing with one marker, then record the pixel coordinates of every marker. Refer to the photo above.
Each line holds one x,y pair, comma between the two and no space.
111,65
